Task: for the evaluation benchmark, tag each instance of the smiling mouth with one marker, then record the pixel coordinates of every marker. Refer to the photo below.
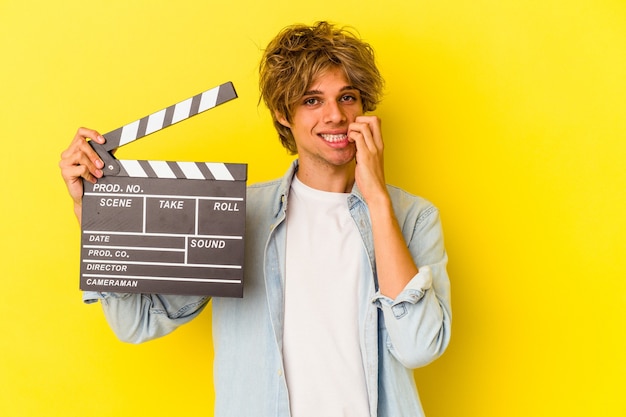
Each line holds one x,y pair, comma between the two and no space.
334,138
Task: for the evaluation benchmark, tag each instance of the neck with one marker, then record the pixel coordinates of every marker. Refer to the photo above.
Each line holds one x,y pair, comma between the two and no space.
334,179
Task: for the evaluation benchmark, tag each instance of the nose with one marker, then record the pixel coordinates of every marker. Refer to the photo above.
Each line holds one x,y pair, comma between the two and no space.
333,113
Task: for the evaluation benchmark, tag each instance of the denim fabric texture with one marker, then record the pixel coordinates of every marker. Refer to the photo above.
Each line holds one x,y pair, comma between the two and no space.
396,335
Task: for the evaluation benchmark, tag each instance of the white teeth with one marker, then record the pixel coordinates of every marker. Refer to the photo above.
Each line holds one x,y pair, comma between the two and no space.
334,138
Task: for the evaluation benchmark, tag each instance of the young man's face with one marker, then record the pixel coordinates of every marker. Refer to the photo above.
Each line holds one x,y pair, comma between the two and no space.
321,118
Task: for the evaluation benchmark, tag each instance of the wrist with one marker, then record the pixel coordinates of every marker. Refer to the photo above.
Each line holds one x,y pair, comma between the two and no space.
380,204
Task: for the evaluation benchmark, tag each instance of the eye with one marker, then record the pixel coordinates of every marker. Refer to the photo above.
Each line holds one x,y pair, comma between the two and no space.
311,101
348,98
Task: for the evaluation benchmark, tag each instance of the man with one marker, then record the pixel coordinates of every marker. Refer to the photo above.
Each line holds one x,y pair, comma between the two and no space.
345,287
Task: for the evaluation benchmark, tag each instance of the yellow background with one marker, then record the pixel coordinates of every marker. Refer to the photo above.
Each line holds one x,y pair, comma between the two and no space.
509,115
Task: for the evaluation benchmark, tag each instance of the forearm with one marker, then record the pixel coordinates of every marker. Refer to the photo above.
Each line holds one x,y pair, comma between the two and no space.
394,264
78,211
418,320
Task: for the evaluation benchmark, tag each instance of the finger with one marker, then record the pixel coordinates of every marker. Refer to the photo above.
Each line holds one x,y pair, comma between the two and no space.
80,153
85,133
374,124
80,140
73,173
81,137
361,134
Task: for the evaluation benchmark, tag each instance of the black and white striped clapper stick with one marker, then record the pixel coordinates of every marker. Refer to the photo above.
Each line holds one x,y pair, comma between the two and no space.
169,116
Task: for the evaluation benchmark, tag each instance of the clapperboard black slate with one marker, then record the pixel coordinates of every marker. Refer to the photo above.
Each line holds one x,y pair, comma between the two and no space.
162,226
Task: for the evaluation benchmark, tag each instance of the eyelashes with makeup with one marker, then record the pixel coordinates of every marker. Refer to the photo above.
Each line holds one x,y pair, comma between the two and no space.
313,101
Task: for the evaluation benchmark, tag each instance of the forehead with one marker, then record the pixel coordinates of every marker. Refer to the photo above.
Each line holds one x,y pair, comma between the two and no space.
333,78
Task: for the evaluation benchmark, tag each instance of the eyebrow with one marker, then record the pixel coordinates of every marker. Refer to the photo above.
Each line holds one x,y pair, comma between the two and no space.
317,92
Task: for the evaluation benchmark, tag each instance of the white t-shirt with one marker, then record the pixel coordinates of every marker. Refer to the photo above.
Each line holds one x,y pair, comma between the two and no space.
323,361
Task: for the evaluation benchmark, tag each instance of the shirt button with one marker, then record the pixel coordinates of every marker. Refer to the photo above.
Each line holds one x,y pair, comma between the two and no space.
280,372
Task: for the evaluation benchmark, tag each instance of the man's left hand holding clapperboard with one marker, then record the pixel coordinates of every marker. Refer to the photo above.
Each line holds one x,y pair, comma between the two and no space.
160,226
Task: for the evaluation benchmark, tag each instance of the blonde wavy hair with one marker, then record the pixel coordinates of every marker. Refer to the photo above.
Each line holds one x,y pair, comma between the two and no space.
299,54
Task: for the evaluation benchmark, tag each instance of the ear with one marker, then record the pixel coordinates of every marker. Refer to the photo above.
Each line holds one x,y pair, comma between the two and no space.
282,119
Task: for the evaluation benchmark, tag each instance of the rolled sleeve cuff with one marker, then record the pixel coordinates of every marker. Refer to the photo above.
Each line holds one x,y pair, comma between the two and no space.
90,297
412,293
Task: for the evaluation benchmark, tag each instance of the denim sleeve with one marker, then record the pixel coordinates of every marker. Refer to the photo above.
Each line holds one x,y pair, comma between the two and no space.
418,321
136,318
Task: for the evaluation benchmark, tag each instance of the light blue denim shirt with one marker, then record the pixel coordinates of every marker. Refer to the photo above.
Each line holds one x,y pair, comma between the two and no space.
395,335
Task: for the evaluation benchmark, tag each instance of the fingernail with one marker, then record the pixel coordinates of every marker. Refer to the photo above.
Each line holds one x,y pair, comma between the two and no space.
99,163
100,139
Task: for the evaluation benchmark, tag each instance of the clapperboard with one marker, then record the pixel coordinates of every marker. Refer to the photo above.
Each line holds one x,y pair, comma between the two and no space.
161,226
